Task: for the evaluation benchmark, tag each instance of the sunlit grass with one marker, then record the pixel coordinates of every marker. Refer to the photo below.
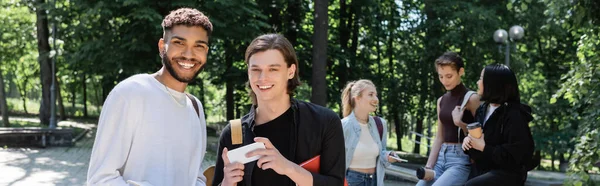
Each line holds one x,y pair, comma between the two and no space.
15,105
19,123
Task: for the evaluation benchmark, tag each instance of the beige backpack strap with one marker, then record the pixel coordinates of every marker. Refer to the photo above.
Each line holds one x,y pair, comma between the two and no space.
236,131
462,108
466,99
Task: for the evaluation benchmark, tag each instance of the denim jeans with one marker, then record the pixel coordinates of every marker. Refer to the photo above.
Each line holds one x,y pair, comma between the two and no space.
451,168
360,179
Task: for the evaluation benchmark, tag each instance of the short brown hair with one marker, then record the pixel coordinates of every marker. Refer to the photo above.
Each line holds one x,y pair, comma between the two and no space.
187,17
275,42
451,59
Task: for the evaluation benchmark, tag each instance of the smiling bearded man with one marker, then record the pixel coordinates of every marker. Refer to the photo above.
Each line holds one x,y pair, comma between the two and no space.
150,132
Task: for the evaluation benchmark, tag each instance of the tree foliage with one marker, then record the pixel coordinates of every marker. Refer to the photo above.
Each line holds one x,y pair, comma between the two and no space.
394,43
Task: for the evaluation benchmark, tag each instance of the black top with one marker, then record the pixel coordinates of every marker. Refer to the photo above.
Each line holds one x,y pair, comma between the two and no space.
278,132
449,101
316,130
508,141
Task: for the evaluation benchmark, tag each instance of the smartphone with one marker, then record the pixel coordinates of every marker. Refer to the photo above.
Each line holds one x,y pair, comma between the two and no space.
239,154
399,159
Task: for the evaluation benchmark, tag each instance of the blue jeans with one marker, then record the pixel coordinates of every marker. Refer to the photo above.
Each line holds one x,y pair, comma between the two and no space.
451,168
360,179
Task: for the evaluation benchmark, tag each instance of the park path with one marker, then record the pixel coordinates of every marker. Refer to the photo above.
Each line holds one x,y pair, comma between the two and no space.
68,165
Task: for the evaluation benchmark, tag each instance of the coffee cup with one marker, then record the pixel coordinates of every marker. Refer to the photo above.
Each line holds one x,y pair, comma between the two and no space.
475,130
425,173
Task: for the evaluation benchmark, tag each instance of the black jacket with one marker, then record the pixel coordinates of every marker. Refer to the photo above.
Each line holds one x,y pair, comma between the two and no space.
508,140
316,131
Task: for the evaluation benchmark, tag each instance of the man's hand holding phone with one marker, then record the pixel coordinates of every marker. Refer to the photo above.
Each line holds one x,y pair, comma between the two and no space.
234,160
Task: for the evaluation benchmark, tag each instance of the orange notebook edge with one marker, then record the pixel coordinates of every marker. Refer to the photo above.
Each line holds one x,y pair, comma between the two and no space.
313,164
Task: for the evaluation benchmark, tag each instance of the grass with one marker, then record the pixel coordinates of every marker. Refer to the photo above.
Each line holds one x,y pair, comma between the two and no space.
407,144
15,105
21,123
14,123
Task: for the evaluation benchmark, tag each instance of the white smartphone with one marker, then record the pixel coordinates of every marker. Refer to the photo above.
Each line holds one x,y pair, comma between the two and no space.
239,154
399,159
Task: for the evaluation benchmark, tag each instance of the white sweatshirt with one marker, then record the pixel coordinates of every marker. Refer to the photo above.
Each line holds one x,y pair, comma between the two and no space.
148,135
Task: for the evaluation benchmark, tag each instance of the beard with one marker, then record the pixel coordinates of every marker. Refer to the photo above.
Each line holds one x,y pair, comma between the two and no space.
166,60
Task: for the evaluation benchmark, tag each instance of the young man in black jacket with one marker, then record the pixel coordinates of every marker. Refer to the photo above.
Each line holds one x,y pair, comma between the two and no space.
506,147
293,131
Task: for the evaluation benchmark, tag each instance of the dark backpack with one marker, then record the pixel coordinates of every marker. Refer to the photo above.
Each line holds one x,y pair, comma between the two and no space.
194,103
379,127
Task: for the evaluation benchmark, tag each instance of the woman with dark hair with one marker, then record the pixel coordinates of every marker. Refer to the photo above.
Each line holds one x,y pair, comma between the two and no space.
502,153
449,163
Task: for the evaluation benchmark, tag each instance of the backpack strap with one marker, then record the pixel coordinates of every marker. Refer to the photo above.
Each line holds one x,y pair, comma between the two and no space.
236,131
466,99
194,103
379,127
462,107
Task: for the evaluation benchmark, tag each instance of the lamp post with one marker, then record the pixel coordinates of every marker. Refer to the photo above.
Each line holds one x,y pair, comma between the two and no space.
502,37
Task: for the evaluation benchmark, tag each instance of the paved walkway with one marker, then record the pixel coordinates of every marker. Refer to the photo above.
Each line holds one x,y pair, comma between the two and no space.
50,166
534,178
53,165
68,165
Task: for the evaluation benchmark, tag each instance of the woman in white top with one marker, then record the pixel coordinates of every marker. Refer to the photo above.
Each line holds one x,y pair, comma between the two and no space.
366,154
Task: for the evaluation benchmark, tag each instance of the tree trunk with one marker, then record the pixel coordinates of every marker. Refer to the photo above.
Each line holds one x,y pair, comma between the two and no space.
272,9
85,109
201,95
319,72
419,129
378,81
229,88
23,93
355,9
399,129
553,158
44,61
59,97
344,31
432,33
563,163
24,99
393,97
99,93
293,19
73,97
3,102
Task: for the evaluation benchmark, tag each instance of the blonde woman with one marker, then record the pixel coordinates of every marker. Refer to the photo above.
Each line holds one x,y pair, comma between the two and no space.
364,135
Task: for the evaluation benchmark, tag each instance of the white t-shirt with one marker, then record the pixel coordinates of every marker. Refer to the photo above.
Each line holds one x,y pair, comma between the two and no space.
366,152
149,135
489,112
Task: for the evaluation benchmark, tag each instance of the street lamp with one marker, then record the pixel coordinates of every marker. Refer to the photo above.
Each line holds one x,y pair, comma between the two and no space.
502,37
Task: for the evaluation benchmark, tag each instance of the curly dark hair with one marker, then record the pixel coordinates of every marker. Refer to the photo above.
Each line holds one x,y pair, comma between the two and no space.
187,17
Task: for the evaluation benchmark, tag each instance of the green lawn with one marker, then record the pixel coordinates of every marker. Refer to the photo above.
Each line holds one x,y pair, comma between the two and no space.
21,123
15,105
